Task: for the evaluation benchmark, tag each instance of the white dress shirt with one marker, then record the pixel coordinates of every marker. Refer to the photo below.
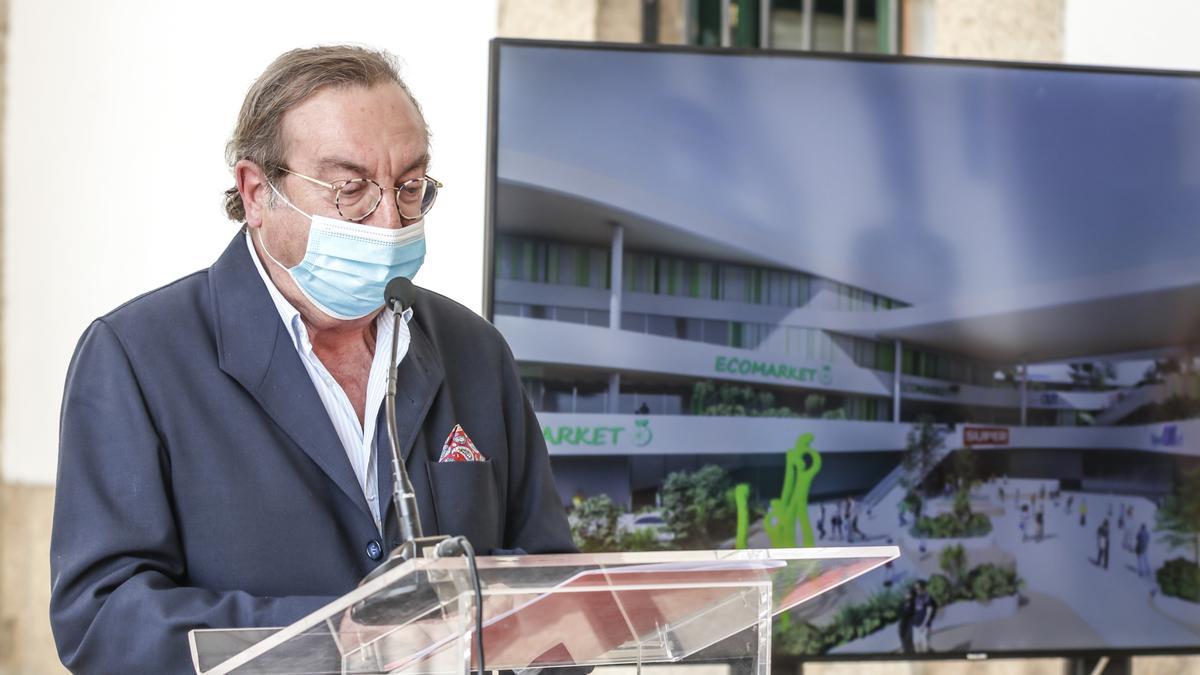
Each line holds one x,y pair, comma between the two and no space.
357,439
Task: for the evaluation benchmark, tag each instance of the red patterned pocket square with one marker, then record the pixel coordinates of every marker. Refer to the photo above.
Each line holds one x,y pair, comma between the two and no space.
459,448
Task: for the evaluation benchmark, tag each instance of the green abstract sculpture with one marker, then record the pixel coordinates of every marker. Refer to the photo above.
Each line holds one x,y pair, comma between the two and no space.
803,464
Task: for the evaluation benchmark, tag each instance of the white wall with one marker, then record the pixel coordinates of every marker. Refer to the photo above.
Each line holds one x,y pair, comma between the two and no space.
117,116
1145,33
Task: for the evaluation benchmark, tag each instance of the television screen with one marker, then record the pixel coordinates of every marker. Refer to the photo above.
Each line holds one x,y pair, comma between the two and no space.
776,299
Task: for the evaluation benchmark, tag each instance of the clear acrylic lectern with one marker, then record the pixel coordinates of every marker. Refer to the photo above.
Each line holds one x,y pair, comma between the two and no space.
546,611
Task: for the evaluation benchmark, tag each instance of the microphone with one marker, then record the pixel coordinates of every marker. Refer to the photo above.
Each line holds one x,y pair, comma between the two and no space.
399,290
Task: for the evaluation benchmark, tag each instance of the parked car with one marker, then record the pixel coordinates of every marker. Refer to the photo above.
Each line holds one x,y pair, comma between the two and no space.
649,520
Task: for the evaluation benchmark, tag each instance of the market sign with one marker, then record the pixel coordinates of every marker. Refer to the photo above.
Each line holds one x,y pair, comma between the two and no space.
599,436
985,436
735,365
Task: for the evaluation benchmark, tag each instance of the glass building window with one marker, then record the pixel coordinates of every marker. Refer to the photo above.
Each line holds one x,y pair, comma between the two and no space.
685,278
535,261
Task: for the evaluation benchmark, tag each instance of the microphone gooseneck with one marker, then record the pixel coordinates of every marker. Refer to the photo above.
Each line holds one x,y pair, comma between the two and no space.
398,296
413,594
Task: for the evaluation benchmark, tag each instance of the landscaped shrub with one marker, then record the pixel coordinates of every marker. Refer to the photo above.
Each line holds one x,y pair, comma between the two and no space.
1180,577
948,526
982,583
989,581
851,623
594,524
953,561
798,638
698,507
941,590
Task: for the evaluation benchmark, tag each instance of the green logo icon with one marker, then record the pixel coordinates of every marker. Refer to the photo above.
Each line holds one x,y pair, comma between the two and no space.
642,435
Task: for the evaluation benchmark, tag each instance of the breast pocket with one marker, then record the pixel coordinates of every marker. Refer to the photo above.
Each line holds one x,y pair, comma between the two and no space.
468,503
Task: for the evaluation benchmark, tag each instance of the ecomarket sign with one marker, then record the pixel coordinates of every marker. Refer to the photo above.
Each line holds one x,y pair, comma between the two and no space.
782,371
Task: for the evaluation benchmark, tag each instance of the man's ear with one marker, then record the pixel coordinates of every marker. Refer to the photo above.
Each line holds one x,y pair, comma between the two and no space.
252,186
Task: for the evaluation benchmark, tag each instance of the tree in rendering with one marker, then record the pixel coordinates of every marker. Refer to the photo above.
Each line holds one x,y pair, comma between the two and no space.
1179,517
594,524
1094,374
953,561
814,405
966,468
698,506
1161,369
922,452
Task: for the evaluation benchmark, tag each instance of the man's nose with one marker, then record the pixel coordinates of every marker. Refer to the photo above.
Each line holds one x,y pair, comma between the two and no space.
387,214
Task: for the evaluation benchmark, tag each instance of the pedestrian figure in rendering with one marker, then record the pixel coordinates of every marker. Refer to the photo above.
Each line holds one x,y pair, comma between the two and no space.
1083,513
905,624
1040,521
821,523
1102,544
1070,503
835,523
1141,548
924,610
1024,524
859,534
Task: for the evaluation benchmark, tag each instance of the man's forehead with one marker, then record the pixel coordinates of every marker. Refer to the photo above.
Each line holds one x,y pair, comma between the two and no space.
348,127
335,163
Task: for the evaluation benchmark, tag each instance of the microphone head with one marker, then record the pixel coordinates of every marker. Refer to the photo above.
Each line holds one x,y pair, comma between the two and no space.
399,290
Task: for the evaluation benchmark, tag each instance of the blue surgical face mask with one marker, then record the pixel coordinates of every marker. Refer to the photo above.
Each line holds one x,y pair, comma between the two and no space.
347,265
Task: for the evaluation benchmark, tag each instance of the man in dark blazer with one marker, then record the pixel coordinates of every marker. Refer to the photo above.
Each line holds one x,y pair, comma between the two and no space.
204,480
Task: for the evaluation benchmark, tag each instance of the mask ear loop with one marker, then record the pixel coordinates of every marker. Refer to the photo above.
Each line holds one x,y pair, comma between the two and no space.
263,242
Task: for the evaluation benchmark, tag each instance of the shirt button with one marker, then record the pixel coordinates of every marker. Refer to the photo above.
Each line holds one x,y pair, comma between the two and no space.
374,549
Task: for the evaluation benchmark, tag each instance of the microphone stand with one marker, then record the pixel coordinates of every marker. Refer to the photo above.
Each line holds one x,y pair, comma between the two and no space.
383,607
412,541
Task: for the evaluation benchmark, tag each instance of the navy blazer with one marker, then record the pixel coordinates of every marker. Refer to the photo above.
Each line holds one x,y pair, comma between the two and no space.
201,483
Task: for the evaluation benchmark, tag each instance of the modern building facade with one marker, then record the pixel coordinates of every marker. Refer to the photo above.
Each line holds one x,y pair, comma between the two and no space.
692,358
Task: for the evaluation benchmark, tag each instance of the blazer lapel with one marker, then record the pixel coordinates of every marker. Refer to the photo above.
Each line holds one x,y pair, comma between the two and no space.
256,349
417,381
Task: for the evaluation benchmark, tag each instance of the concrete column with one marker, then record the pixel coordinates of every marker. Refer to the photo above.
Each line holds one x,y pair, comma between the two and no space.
807,27
849,24
1024,391
617,274
614,392
617,287
764,24
896,381
726,24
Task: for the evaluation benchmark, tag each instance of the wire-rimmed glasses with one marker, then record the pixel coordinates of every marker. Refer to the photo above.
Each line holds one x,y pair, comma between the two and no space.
357,198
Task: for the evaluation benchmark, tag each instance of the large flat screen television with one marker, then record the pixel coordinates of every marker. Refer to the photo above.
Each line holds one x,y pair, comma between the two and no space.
770,299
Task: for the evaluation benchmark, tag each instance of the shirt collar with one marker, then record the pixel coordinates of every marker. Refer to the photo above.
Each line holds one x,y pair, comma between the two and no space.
295,324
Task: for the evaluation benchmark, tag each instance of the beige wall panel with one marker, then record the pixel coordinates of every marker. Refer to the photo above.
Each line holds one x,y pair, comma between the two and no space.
619,21
548,20
672,21
1018,30
26,646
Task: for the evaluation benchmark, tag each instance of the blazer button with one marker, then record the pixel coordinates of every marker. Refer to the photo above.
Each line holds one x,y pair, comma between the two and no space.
374,549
